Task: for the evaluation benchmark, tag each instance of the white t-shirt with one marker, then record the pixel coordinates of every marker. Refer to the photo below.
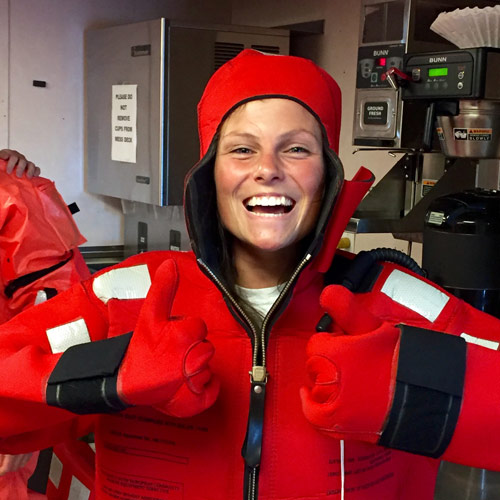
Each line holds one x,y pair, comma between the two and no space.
261,299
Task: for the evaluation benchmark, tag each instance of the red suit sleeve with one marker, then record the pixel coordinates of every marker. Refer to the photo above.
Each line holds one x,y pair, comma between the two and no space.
31,344
69,356
409,367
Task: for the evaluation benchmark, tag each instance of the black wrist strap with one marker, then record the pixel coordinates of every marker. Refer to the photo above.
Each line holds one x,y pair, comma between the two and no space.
428,394
85,377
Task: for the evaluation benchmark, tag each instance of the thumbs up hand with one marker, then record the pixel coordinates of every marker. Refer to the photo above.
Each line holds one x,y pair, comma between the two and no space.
167,361
350,375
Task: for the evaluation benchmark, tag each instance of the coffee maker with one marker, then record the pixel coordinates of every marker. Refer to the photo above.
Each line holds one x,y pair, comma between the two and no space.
391,31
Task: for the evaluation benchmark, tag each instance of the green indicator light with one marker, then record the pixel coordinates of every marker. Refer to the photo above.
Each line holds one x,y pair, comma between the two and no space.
438,72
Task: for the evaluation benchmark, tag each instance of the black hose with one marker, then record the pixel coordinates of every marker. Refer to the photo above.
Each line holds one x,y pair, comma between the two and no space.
396,257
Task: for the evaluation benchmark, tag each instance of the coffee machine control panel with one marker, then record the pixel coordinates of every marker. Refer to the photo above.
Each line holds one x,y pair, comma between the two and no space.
374,61
459,74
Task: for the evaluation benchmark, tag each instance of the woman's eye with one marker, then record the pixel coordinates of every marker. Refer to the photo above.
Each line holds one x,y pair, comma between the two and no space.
298,149
242,151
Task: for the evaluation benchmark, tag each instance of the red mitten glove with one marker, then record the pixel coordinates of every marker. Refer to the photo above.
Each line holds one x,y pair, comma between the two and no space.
166,363
350,378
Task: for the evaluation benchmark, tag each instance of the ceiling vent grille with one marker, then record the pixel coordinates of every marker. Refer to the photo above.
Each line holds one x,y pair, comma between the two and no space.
269,49
224,51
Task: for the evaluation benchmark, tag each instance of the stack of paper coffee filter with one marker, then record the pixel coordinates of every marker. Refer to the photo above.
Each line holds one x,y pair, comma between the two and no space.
467,28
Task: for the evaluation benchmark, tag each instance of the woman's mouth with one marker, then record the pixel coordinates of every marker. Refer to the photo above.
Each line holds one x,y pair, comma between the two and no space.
269,205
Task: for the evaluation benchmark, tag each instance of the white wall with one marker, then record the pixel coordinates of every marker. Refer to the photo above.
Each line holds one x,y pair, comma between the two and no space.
277,12
47,124
4,72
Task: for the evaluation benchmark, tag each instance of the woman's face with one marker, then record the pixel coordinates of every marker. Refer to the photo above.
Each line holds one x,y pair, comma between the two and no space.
269,173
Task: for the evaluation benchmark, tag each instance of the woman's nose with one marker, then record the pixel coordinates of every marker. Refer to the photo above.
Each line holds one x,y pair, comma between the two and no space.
268,168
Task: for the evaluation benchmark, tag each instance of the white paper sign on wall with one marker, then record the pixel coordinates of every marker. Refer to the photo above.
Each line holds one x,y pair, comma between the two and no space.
124,123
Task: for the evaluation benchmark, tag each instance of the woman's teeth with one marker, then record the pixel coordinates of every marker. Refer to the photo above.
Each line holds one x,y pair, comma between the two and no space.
269,205
269,201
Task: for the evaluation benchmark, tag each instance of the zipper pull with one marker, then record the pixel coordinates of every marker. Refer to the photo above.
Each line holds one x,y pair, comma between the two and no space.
258,374
252,446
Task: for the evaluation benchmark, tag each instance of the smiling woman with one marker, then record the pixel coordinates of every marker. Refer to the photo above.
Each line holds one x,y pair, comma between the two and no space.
173,336
269,177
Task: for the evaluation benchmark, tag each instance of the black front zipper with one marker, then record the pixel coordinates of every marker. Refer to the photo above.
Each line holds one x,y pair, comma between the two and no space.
252,446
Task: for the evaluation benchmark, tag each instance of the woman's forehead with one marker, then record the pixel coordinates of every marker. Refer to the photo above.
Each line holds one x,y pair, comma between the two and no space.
275,115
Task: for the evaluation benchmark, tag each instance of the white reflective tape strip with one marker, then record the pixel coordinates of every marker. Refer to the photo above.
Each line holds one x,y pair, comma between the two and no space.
123,283
63,336
489,344
78,491
55,471
41,296
415,294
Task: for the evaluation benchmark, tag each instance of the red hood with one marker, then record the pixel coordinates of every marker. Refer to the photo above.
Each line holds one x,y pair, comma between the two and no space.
253,75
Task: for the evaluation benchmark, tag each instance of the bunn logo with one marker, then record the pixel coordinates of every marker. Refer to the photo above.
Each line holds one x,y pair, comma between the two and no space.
437,59
384,52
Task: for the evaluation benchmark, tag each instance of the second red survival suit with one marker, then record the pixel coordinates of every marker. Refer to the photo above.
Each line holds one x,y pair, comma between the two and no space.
38,243
38,259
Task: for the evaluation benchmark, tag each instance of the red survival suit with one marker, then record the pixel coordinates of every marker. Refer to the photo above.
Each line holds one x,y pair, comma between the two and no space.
254,441
143,450
38,258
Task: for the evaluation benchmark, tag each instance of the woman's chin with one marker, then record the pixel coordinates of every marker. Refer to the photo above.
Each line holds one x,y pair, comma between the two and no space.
272,246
